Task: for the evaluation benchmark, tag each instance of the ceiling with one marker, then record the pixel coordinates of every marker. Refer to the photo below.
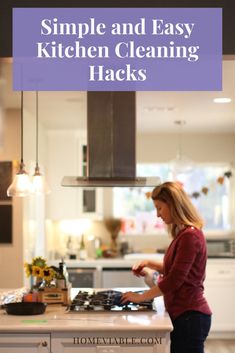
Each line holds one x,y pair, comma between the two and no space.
156,111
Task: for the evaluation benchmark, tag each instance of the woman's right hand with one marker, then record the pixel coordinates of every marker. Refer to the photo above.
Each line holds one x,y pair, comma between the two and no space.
138,268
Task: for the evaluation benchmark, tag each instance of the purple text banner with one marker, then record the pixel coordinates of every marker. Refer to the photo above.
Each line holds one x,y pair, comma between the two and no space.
118,49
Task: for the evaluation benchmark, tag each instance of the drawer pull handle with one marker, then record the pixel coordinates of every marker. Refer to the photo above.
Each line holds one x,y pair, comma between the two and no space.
44,343
224,272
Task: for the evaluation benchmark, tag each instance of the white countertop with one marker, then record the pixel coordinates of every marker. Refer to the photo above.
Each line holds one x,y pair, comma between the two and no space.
92,263
57,319
122,262
125,262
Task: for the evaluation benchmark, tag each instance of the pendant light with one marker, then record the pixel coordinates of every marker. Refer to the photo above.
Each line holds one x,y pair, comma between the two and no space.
39,185
181,164
21,185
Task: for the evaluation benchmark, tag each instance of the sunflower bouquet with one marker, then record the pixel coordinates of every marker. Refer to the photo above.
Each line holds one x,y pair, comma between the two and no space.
39,269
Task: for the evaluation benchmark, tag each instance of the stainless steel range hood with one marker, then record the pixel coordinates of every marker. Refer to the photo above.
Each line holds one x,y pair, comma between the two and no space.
111,152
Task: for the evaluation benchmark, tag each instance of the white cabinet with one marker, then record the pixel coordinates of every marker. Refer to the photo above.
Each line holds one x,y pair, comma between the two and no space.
24,343
67,157
219,291
120,277
62,159
114,342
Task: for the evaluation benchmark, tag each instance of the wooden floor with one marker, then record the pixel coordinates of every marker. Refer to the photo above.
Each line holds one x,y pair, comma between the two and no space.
220,346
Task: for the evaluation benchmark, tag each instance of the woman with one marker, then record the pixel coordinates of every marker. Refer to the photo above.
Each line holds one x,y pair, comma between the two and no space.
182,272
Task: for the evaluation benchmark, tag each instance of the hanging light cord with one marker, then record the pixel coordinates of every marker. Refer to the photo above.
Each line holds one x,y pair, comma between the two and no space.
180,124
180,140
37,167
22,136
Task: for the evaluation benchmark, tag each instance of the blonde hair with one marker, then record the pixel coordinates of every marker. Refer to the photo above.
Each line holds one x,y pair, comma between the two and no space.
181,208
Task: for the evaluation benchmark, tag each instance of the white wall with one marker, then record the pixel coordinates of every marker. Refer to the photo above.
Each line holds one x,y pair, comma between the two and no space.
198,147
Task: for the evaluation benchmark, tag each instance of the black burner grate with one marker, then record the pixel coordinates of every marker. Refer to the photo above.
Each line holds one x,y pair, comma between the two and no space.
109,300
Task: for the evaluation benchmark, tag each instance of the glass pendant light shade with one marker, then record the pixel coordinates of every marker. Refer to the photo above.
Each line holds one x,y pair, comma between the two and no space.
21,185
39,185
181,164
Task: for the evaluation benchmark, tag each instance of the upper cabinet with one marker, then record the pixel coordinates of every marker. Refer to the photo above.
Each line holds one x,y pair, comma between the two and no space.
67,156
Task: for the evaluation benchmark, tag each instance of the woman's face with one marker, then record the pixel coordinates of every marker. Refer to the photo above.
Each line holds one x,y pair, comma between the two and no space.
163,211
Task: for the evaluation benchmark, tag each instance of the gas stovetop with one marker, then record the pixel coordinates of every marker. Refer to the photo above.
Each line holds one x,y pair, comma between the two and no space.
109,300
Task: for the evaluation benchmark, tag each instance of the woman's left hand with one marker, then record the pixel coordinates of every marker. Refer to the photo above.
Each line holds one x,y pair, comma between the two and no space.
131,297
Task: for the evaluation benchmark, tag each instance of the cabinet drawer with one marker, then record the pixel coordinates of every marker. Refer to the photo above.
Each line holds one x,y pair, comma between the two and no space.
24,343
120,277
220,272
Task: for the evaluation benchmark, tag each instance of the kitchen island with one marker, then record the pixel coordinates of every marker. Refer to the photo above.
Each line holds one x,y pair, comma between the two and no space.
219,285
58,331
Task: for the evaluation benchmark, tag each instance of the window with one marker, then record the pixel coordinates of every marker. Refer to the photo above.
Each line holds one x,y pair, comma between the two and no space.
207,185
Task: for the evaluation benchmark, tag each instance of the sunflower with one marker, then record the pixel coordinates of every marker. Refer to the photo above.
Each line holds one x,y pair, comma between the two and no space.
37,271
48,274
28,269
39,262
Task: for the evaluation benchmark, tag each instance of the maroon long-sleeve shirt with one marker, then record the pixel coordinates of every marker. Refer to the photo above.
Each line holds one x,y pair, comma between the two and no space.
184,273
